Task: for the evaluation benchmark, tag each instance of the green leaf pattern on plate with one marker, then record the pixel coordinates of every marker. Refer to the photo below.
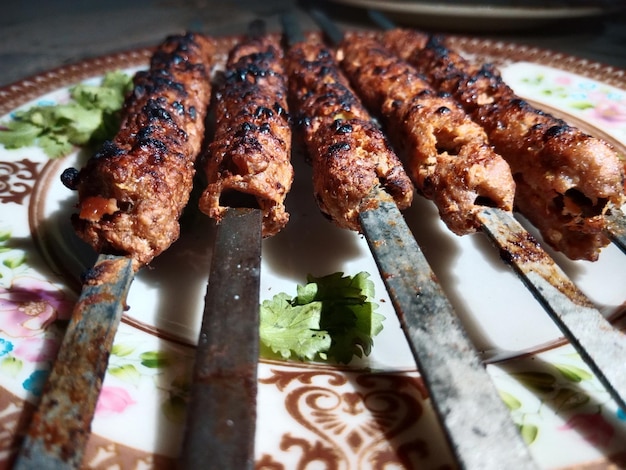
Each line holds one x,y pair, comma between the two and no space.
554,392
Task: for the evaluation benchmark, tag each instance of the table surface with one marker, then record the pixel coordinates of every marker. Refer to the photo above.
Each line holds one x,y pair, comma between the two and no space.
37,35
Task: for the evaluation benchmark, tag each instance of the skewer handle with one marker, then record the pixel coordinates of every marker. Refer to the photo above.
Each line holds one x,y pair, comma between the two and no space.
60,428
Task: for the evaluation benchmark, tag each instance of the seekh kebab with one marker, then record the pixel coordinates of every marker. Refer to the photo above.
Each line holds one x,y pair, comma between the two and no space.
349,154
131,195
447,154
249,159
360,184
566,180
133,191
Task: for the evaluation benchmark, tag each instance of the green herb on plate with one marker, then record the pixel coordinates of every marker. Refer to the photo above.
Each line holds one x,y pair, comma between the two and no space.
331,318
90,117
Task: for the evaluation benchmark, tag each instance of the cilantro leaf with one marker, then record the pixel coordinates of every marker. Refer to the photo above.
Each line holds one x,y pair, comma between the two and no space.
331,317
288,329
90,117
18,134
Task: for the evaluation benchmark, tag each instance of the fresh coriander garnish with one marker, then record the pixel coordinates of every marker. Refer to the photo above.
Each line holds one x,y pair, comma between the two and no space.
331,318
90,117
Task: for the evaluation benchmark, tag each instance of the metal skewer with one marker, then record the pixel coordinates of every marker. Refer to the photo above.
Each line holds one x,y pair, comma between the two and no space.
595,339
476,422
221,417
60,427
617,228
221,420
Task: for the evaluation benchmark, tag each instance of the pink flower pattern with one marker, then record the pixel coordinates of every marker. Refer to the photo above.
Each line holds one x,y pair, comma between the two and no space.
37,349
113,400
29,305
593,428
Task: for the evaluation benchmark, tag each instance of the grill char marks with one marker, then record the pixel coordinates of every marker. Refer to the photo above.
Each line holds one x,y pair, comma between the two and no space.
133,191
447,155
249,161
350,156
566,179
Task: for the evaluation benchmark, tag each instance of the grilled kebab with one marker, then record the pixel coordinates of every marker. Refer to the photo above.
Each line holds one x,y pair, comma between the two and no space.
447,154
349,154
566,180
249,160
133,191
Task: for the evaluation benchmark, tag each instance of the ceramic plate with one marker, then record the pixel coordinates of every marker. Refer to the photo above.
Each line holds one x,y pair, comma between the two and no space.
478,15
371,413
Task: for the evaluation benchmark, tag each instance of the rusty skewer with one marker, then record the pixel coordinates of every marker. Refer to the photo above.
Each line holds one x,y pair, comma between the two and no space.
617,228
59,430
221,416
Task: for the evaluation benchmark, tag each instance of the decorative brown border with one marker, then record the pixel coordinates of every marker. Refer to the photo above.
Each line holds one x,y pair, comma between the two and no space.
506,52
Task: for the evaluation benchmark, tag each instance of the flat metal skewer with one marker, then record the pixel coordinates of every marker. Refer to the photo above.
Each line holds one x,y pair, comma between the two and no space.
599,344
221,422
617,228
221,416
60,427
476,422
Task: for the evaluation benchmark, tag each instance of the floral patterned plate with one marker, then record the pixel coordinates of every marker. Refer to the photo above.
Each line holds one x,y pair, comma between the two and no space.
372,413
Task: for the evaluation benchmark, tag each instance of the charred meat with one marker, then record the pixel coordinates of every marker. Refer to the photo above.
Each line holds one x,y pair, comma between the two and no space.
248,163
566,180
133,191
349,154
446,154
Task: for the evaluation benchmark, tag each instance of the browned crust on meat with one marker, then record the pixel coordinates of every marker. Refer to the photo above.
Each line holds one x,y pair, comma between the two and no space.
447,155
250,154
133,191
349,154
566,179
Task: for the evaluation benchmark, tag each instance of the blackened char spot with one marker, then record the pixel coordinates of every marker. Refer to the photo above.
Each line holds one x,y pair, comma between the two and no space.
555,131
338,147
244,129
263,111
154,111
109,150
158,145
69,178
280,110
178,106
342,128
